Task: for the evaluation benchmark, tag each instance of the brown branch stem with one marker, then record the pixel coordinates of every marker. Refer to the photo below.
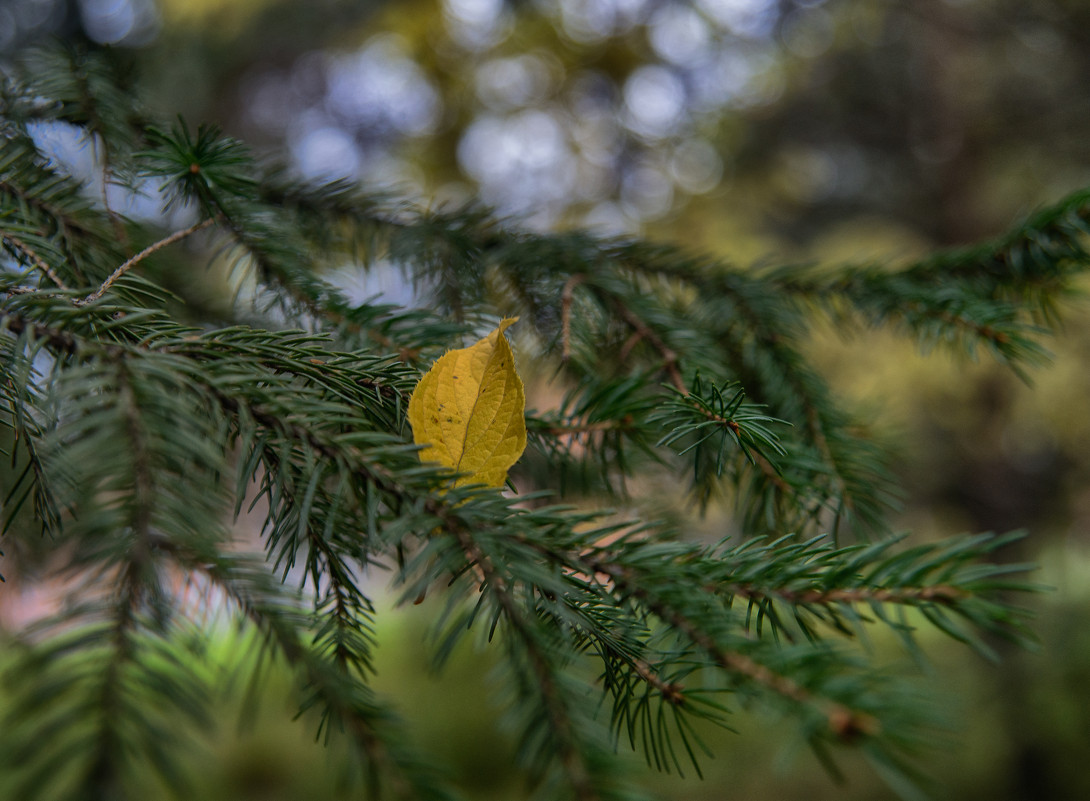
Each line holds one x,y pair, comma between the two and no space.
672,692
669,356
844,722
567,295
939,593
959,321
139,257
37,260
577,429
57,339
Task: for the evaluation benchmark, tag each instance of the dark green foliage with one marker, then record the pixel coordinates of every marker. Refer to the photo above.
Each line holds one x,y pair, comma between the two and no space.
134,437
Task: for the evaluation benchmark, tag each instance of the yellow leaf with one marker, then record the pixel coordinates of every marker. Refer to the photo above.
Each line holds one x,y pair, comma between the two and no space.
469,410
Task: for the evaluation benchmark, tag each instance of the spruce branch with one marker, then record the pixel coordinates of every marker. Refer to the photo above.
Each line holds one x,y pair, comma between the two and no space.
32,482
348,705
48,211
143,490
106,697
708,412
103,772
569,753
65,220
859,481
288,267
843,722
89,113
642,331
985,292
59,340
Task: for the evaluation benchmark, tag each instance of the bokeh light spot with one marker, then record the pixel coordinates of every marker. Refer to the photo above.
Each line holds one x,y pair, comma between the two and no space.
381,87
696,166
655,101
475,24
753,18
129,22
504,83
326,153
808,32
646,192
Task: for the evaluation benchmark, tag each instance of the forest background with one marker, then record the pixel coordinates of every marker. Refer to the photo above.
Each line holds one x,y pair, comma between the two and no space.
844,130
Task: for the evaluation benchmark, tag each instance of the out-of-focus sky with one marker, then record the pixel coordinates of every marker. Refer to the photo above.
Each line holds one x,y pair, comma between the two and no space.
937,120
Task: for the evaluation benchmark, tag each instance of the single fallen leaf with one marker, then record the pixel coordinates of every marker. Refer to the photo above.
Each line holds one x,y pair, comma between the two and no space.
469,410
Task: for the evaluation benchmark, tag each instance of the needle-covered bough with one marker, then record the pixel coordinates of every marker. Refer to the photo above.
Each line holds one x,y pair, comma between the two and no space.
143,412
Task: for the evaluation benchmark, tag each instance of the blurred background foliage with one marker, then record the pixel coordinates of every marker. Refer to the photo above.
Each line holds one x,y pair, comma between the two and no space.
805,130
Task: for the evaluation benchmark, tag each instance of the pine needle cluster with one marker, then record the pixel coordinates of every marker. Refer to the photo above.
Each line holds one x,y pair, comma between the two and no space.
142,417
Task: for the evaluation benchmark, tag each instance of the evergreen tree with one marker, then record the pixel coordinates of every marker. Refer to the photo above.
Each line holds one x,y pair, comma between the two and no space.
141,415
